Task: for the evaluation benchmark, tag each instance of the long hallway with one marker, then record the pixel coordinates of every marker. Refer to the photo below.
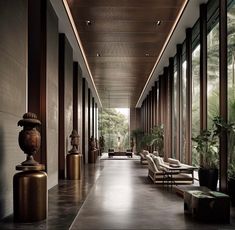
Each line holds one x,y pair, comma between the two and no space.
114,194
124,198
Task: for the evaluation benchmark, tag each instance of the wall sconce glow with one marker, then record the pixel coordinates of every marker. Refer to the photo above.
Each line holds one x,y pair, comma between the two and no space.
158,22
88,22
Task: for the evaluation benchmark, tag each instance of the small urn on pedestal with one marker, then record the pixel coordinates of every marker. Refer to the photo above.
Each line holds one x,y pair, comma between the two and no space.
74,158
30,185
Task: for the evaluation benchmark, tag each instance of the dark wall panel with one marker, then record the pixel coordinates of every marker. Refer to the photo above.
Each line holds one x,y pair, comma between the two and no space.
89,114
80,105
96,121
13,72
68,94
75,95
43,81
93,118
52,96
85,120
77,100
65,100
37,10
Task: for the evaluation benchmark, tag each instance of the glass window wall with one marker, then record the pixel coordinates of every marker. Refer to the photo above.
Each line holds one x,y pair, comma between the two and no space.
231,85
183,113
195,101
174,110
212,74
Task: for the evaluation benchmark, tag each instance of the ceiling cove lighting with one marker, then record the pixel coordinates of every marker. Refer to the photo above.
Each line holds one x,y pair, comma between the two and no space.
162,50
66,6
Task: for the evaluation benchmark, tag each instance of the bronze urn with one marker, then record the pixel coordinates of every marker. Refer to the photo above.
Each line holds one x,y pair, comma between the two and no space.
29,138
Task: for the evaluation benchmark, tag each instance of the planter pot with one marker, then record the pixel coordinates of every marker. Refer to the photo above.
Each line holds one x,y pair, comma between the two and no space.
208,178
231,190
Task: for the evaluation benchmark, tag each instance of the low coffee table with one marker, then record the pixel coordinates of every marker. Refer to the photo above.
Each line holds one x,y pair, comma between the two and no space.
112,154
207,206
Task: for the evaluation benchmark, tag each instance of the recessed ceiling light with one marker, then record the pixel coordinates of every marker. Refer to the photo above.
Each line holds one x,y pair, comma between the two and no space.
158,22
97,55
88,22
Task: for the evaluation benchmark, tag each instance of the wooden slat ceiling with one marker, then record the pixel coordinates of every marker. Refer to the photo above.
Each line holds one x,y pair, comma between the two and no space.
128,40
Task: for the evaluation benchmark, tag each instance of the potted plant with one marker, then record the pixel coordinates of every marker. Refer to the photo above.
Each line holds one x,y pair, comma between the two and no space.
207,147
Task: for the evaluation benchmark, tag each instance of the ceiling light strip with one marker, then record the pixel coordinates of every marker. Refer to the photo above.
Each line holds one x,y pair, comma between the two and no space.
66,6
163,49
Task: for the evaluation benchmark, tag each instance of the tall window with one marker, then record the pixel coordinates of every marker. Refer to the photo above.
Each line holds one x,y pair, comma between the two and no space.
213,74
213,63
195,100
174,110
183,113
231,81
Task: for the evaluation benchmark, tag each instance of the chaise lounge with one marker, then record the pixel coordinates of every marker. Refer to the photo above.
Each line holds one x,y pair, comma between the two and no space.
159,172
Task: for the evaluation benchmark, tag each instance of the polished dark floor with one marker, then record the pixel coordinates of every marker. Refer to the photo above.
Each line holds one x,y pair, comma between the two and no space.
124,198
64,202
115,195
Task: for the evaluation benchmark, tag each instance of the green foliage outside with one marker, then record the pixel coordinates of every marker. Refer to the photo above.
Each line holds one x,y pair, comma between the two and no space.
155,138
213,85
114,126
231,89
195,101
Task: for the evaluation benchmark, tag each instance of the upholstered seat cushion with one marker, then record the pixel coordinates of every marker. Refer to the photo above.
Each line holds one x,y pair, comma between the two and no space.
173,161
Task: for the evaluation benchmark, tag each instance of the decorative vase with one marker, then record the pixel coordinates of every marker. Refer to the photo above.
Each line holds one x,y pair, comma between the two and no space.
29,138
30,185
